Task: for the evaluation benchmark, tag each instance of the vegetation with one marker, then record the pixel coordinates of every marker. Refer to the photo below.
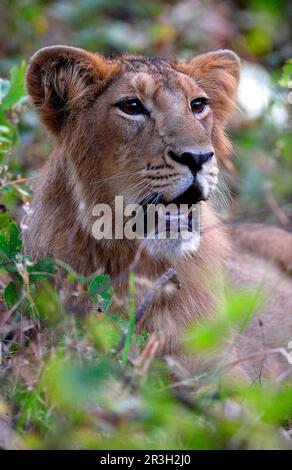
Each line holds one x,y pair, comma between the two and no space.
90,381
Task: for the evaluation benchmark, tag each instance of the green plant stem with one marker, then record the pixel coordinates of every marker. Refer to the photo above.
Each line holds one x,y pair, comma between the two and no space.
131,326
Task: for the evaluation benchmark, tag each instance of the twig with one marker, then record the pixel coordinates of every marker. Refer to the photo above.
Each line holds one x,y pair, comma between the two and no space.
276,209
18,181
167,276
149,352
254,355
7,315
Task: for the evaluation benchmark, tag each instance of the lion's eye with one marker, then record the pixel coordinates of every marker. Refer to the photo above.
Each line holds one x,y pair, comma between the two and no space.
132,106
198,105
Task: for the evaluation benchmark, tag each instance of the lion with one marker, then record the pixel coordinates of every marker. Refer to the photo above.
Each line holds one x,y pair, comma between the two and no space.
153,130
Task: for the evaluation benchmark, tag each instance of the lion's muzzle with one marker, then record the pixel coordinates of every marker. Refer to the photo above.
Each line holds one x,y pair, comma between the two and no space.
193,160
199,164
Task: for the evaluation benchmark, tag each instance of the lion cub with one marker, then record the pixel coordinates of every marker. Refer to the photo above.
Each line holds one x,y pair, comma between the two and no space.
152,132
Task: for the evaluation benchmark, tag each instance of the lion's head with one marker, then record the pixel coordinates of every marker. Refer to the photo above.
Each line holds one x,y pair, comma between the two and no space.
141,127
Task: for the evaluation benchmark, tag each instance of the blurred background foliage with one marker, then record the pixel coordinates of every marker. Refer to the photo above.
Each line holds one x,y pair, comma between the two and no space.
62,384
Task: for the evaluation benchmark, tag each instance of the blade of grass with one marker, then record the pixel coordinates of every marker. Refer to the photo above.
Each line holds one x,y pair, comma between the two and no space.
131,326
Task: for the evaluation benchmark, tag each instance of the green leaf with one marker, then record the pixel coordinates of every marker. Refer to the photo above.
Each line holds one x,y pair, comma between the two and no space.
272,403
286,78
33,408
17,87
241,306
8,136
4,244
42,270
4,88
206,336
4,129
104,332
10,294
4,220
102,288
72,385
15,243
10,243
47,302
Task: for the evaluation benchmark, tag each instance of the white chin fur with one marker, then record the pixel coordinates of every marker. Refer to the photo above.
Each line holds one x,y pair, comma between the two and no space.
172,248
204,185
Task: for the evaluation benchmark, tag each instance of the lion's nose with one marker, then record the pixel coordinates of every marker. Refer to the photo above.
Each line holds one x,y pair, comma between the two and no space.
194,160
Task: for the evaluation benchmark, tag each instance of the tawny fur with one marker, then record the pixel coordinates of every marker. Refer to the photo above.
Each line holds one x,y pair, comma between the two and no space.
97,156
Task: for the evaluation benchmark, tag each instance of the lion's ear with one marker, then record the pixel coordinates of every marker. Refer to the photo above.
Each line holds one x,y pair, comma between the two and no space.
218,74
63,79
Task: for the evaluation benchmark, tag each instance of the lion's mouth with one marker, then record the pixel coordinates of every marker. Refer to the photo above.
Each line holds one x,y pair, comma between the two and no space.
179,213
192,195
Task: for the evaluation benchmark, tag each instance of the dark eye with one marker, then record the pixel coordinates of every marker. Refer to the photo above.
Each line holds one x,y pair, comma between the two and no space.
132,106
198,105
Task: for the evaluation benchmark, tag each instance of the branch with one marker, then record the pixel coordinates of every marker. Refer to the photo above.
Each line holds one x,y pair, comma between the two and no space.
168,276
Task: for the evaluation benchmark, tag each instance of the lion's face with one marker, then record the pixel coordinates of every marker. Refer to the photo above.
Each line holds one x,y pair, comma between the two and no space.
161,144
142,128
